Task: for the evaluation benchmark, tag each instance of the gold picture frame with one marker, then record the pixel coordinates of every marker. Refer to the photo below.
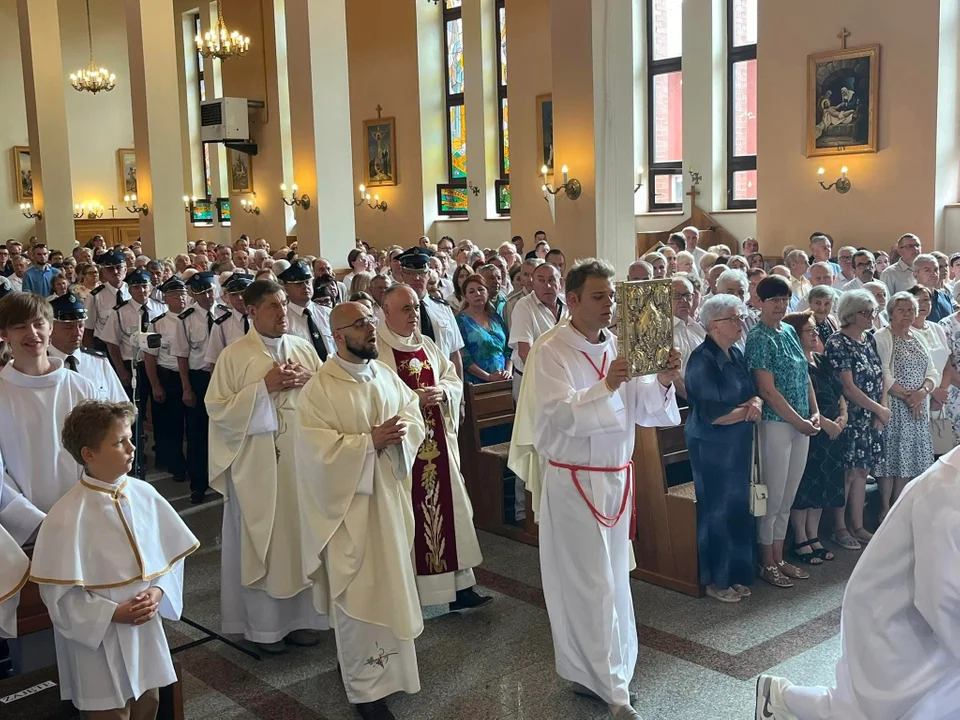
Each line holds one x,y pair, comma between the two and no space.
23,174
127,171
380,152
842,101
240,168
545,132
645,325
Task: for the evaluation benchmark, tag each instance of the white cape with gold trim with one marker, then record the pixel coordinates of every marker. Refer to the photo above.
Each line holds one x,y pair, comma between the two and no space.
14,568
97,537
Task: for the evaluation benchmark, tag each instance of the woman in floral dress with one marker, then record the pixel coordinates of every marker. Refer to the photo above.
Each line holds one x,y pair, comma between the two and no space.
852,353
486,355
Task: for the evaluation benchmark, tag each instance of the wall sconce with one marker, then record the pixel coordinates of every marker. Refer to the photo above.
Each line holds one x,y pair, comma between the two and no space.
294,199
377,204
93,211
362,197
188,203
639,180
571,188
29,214
250,206
842,183
131,203
79,211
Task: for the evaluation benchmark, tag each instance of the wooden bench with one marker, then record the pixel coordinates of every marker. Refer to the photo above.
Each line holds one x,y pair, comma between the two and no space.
489,406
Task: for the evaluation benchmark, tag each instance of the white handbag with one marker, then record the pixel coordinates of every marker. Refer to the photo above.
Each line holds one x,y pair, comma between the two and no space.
758,489
941,430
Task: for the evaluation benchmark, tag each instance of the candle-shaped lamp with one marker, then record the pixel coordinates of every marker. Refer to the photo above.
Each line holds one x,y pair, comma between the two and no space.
564,171
843,172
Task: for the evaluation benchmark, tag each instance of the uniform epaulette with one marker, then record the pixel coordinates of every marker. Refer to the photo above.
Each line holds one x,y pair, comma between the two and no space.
159,317
97,289
439,301
220,320
186,313
121,304
221,306
91,351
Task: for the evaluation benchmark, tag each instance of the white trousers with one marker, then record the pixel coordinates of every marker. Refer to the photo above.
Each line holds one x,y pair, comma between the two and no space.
439,589
252,613
842,703
783,454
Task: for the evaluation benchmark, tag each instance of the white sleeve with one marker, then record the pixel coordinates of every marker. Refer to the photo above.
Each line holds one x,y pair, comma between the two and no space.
264,417
179,347
365,487
171,604
936,537
215,345
111,329
654,404
458,343
18,515
90,305
521,327
77,614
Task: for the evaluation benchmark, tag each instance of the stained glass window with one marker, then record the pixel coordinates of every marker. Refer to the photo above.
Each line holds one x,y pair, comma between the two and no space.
665,104
503,197
452,197
502,107
741,104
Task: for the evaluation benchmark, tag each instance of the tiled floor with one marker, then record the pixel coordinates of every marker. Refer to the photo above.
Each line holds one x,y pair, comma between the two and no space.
698,658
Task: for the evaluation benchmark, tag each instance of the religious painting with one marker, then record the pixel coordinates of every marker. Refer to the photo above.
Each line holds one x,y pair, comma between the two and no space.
842,101
645,325
545,132
127,171
380,147
241,172
23,174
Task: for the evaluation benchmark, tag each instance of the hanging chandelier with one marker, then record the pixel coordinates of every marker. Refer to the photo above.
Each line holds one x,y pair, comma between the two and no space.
94,78
220,42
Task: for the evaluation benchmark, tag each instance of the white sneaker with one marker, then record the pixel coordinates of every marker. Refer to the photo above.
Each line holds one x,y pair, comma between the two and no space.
770,703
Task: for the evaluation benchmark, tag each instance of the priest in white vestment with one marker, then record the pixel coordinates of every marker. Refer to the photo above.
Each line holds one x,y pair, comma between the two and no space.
14,569
252,403
124,570
36,393
359,434
445,542
584,425
900,620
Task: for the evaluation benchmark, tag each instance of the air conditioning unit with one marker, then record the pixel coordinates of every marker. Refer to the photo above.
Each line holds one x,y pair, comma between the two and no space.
224,119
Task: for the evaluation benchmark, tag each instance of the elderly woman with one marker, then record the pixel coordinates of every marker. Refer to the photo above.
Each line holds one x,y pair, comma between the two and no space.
738,262
88,279
790,418
687,333
658,262
932,333
822,484
880,294
735,282
910,377
486,354
671,255
821,299
852,353
719,431
686,263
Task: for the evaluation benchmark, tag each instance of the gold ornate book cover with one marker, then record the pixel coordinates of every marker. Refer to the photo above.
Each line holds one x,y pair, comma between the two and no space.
645,324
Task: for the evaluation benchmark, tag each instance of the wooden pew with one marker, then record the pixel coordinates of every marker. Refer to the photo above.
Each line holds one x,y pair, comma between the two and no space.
490,406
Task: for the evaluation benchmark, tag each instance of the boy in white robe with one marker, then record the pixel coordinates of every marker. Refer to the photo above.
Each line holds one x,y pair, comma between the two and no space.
36,393
900,621
125,568
584,427
359,432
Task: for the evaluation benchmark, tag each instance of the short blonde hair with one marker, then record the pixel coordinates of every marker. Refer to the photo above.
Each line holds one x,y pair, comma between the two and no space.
89,422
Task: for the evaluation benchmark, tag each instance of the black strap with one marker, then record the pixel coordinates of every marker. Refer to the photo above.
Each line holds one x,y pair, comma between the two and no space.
209,323
144,318
426,324
315,336
71,362
246,324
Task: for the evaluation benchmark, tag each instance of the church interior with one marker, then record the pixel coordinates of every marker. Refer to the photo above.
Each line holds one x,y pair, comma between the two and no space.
607,125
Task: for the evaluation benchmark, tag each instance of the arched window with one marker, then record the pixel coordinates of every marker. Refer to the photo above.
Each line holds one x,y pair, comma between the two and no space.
741,104
452,196
665,103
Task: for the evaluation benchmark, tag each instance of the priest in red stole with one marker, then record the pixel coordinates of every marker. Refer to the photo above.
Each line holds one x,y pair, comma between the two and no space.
445,541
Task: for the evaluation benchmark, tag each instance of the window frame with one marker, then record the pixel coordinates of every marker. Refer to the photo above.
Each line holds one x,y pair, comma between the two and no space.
451,100
655,169
503,171
736,163
198,67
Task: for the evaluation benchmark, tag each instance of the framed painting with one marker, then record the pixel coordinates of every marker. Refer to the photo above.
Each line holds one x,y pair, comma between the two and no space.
380,151
645,324
23,174
545,132
241,172
127,171
842,101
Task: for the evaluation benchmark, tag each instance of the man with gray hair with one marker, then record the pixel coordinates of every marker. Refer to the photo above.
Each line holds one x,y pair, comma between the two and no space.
798,265
523,287
736,282
687,332
880,294
899,276
847,270
640,270
821,275
863,267
926,272
820,249
692,236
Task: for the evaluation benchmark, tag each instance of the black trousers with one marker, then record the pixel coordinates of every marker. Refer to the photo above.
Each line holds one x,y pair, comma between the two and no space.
198,433
169,422
141,400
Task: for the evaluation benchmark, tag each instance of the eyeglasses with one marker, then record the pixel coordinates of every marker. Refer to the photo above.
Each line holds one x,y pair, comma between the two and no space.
912,246
865,265
869,313
778,300
362,324
738,318
683,297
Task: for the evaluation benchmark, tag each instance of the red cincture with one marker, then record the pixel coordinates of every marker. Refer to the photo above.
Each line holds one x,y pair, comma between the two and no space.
608,521
602,370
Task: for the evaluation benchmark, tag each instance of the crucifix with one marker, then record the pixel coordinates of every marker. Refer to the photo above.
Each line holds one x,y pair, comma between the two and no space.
113,211
379,110
695,178
843,35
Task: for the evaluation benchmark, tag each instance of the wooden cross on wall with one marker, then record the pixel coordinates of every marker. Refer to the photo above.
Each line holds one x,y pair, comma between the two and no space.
843,35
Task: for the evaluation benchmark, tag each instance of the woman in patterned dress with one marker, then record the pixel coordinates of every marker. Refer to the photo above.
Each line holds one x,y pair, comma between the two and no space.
822,484
948,394
486,355
852,353
909,377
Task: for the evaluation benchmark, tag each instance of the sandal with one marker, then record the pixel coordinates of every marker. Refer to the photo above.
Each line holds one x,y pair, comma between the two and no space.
742,590
771,574
792,572
821,552
725,596
810,558
862,536
847,542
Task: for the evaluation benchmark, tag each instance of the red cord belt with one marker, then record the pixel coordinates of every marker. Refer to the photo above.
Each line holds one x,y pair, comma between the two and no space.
608,521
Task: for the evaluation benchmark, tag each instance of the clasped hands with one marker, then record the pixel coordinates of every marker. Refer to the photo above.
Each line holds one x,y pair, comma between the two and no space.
754,409
389,433
287,376
140,608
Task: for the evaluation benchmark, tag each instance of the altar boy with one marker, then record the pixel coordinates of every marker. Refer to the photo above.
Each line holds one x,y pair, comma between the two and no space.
125,567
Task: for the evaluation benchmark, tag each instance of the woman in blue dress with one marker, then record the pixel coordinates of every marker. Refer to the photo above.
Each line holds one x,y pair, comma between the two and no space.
486,355
723,409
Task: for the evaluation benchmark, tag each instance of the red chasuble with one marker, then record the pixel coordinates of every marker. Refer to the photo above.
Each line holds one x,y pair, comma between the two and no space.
435,542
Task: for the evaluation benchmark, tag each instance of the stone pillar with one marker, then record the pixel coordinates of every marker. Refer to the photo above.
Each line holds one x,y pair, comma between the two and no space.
320,127
156,99
46,120
592,59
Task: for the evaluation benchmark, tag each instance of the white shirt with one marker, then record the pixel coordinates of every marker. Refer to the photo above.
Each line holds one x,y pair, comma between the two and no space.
445,327
95,367
854,284
100,304
170,329
687,336
228,328
698,253
126,321
840,282
297,316
197,334
530,319
897,277
16,283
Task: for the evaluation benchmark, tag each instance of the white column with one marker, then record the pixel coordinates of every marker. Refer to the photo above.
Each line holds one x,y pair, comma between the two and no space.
43,79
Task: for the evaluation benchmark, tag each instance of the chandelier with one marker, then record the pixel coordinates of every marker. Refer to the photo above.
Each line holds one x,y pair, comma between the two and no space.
94,78
221,42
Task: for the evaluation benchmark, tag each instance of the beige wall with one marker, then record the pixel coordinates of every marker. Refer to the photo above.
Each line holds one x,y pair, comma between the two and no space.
13,128
893,190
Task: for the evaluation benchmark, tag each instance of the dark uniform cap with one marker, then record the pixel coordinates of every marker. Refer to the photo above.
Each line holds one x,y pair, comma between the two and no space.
297,272
174,284
138,277
68,307
238,283
111,257
416,258
201,282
